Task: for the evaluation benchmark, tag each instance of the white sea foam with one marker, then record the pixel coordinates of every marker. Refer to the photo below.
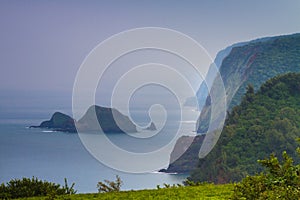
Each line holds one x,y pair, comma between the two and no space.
189,122
48,131
158,172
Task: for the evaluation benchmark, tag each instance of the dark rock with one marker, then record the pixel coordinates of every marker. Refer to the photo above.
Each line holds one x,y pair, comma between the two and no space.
189,159
110,120
151,127
59,122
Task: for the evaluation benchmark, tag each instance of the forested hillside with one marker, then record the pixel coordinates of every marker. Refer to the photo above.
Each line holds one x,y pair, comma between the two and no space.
265,122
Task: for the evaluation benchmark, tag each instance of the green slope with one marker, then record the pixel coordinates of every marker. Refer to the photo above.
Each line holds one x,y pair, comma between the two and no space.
206,191
265,122
255,63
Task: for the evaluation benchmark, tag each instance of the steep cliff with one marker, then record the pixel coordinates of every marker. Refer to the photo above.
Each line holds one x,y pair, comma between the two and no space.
254,63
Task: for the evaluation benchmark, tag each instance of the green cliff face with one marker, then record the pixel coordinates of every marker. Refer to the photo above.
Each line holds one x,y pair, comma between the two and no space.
254,63
265,122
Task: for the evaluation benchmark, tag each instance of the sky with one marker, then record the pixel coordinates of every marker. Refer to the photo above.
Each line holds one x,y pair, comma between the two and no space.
43,43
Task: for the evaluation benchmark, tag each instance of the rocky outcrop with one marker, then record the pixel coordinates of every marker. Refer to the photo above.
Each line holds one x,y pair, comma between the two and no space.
59,122
151,127
110,120
188,147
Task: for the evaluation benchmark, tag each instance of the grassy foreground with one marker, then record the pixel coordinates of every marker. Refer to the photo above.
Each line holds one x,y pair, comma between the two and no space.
205,191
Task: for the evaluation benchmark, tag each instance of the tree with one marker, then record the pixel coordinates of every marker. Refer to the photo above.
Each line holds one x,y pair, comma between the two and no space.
280,181
110,186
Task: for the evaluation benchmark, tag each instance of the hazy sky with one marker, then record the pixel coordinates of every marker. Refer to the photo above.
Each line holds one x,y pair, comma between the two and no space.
43,43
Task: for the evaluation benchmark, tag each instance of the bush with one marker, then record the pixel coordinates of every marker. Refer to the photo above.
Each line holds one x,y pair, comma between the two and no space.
26,187
110,186
281,181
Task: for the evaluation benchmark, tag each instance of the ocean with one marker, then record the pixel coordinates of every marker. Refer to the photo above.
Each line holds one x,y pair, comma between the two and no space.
53,156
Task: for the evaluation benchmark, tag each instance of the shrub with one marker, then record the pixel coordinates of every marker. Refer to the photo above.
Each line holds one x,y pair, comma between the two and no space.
280,181
26,187
110,186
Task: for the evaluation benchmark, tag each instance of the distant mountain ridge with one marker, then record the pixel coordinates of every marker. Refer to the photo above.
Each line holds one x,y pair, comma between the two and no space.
254,63
202,92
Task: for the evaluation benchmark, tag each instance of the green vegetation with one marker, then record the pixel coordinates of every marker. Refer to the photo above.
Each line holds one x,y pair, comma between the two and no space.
264,123
281,181
26,187
266,59
255,63
203,191
110,186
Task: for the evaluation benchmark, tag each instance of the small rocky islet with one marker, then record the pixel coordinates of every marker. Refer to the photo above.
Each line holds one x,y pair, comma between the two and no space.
109,119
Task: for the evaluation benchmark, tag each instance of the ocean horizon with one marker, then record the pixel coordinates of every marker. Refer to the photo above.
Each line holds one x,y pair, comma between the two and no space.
53,156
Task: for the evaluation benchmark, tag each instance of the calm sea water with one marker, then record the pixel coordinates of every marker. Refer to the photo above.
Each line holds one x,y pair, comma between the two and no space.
53,156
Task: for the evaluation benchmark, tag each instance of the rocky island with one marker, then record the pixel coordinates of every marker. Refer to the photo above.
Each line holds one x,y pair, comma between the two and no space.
59,122
110,120
151,127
